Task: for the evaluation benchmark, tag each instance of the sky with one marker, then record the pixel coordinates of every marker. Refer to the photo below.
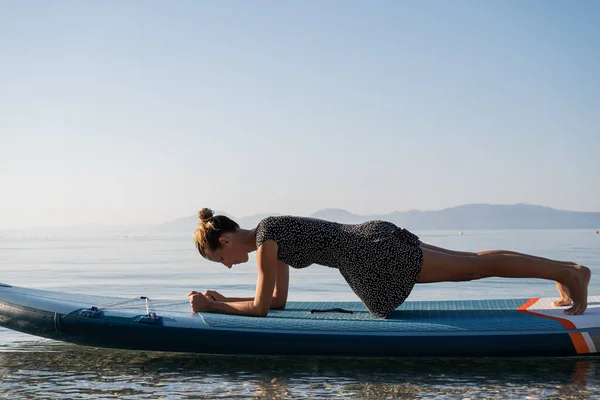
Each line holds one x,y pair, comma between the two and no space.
128,112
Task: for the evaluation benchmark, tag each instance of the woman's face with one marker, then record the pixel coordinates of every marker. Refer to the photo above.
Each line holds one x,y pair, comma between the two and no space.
230,253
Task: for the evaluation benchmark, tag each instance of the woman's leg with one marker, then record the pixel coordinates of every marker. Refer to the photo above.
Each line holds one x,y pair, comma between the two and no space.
480,253
565,298
443,267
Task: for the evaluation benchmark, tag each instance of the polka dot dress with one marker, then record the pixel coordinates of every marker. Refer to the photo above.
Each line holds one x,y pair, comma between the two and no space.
380,261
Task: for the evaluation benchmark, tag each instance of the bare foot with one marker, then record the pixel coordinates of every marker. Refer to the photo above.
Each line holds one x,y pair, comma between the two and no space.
579,290
565,297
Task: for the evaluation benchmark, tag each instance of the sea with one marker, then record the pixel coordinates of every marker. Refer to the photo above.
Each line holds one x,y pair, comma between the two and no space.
166,265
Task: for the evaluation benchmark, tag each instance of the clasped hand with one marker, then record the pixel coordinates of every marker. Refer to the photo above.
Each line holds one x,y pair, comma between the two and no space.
201,302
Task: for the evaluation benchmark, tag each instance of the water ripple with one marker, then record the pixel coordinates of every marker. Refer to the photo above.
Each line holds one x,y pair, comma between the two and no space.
48,369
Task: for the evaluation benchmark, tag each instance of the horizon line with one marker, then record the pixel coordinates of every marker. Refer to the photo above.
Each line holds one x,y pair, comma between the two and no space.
98,224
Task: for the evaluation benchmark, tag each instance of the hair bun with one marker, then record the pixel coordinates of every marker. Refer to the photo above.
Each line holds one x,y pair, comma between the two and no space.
205,214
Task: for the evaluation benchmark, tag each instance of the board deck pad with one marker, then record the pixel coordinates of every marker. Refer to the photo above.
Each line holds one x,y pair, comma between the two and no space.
502,326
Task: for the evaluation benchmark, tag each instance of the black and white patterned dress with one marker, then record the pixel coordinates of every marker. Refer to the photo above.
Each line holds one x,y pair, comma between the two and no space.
380,261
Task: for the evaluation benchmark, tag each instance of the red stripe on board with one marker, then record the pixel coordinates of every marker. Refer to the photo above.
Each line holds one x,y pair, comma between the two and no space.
528,303
577,338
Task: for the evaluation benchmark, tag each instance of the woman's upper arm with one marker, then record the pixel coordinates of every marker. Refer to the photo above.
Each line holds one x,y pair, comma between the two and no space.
266,258
281,285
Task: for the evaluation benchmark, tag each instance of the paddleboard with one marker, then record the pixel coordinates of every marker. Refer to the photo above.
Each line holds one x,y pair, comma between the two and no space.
467,328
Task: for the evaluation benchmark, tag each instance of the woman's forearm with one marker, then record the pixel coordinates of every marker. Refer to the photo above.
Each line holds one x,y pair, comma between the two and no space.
237,299
275,302
237,308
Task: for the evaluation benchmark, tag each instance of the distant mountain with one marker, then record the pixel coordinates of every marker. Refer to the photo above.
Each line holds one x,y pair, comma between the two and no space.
338,215
465,217
488,216
470,216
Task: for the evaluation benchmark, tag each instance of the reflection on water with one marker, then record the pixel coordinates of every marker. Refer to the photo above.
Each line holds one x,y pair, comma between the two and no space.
50,369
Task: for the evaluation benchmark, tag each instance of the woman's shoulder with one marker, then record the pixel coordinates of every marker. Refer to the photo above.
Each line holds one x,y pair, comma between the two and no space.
288,221
275,221
274,227
268,228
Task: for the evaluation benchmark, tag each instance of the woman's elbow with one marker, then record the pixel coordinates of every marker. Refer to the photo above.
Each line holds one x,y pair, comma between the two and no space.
278,305
261,312
278,302
264,311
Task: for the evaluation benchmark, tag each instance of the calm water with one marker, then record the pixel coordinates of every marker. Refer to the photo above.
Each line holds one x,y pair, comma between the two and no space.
166,266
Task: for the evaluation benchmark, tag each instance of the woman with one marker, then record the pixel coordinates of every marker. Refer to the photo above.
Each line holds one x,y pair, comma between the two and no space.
380,262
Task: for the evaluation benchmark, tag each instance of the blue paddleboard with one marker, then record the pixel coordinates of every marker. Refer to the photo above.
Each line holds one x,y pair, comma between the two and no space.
467,328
